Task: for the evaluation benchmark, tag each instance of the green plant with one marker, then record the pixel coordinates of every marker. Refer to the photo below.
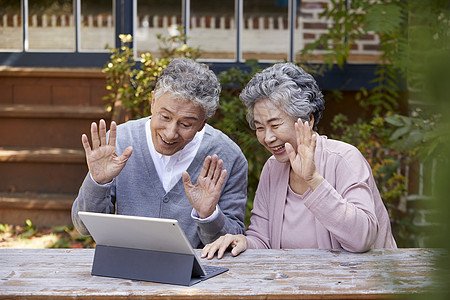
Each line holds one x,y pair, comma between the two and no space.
4,228
231,119
29,229
130,84
372,138
414,44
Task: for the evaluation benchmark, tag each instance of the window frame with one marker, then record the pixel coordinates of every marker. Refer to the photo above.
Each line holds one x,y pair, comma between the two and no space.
350,77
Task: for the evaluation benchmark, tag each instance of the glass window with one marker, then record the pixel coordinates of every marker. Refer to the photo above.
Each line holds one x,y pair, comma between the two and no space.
265,33
11,36
213,28
156,17
97,25
51,25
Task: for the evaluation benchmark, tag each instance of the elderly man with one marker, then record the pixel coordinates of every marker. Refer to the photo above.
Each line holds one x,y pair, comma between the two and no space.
159,156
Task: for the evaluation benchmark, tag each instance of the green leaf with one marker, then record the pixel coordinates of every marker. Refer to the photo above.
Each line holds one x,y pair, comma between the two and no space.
400,132
385,17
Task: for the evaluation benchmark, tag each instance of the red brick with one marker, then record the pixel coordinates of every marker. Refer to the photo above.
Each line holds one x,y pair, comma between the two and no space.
309,36
371,47
315,25
368,37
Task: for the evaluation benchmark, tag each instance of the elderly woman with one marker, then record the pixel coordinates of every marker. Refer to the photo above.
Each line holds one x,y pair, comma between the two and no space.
314,192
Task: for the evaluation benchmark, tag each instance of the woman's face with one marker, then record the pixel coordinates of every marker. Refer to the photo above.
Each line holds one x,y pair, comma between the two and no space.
274,128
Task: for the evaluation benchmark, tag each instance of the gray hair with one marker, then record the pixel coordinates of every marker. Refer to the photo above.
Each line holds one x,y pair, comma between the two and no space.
188,80
290,88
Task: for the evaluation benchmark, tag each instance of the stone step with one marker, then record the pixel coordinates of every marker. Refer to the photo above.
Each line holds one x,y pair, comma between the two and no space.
41,169
51,111
47,125
44,210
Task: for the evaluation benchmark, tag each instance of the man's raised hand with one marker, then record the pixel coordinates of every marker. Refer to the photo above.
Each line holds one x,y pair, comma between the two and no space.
103,162
204,195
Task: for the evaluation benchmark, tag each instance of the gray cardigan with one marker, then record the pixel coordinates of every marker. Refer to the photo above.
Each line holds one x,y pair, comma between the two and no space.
138,191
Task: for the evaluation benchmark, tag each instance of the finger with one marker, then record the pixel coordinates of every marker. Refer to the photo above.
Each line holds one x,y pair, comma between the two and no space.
238,248
213,249
205,167
186,179
102,132
94,135
298,133
218,171
306,134
222,178
313,143
205,250
239,245
290,151
86,145
212,167
126,154
227,241
223,247
113,134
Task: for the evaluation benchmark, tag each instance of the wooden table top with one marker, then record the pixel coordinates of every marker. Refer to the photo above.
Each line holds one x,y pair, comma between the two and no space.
255,274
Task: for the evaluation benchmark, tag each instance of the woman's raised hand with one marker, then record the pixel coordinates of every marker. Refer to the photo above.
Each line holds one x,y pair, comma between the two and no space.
103,162
237,242
302,158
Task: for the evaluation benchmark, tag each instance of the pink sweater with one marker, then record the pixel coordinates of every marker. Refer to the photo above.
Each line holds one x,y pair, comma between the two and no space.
347,208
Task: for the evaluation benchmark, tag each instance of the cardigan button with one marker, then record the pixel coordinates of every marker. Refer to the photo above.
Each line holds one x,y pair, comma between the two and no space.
166,199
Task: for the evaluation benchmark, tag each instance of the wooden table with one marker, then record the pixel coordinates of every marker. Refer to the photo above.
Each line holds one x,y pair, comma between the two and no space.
257,274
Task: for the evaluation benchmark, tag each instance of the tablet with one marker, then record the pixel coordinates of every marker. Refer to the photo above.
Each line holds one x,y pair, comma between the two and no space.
155,234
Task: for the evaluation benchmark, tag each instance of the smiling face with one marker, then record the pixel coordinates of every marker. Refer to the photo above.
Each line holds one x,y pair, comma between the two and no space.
274,128
174,123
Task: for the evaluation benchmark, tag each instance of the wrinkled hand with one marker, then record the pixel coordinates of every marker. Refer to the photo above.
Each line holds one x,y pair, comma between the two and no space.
204,195
237,242
302,158
103,162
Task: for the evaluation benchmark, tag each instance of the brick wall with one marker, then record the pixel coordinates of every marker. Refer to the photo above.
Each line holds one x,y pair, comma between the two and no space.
263,37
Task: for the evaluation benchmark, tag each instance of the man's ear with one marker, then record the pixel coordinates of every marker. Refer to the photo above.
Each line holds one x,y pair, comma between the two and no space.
152,101
203,125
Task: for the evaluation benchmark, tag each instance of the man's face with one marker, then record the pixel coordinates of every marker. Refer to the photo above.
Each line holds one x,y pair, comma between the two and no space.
174,123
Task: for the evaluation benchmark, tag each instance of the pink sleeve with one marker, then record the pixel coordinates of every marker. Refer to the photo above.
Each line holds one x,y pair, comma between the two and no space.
347,211
258,231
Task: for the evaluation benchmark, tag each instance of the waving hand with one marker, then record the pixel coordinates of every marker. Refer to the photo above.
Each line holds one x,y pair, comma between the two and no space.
302,158
103,162
204,194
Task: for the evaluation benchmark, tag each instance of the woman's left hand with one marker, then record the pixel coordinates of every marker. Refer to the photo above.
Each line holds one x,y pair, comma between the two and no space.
302,159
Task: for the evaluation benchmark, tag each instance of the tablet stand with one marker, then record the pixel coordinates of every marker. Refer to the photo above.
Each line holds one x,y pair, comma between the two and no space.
147,265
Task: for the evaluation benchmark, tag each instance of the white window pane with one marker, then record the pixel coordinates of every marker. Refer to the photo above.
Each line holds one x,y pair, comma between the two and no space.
265,33
97,25
213,28
51,25
156,17
11,35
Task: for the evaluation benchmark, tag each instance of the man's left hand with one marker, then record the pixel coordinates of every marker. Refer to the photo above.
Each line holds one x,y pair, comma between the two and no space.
204,194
